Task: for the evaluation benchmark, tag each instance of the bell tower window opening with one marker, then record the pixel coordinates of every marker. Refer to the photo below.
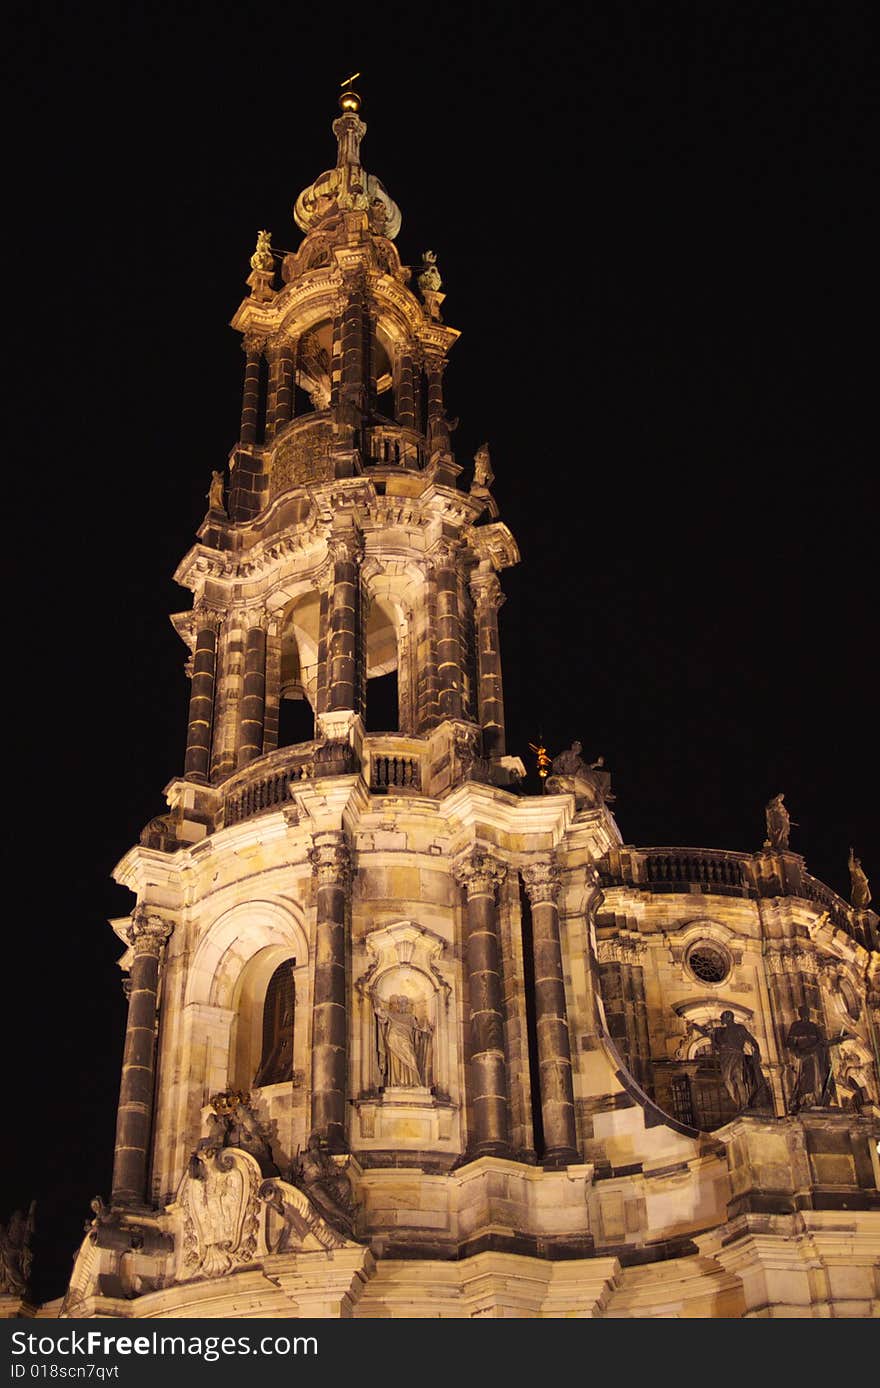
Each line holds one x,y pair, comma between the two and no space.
276,1062
383,652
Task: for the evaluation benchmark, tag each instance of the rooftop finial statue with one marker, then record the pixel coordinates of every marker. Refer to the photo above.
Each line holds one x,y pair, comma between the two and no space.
860,891
778,824
262,256
429,276
215,492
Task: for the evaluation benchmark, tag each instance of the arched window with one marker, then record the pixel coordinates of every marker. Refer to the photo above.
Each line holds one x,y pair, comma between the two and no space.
276,1064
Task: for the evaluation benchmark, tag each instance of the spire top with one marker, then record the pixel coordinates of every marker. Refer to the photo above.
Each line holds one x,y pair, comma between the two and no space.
349,100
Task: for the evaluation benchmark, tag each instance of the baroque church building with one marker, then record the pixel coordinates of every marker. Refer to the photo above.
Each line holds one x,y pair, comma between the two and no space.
404,1040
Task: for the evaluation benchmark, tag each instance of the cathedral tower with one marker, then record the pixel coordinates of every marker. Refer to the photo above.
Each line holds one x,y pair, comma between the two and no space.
403,1040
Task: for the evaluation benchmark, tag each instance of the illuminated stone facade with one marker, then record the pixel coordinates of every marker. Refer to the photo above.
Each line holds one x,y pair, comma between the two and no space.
404,1040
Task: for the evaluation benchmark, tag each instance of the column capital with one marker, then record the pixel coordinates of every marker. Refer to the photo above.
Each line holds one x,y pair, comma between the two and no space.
206,617
487,592
346,548
330,859
254,344
148,931
479,873
277,342
541,879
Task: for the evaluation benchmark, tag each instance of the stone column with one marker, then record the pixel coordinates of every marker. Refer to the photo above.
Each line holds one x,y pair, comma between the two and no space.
427,692
331,866
147,933
343,690
448,633
280,405
541,880
480,875
253,696
406,401
488,598
201,700
354,349
438,428
253,348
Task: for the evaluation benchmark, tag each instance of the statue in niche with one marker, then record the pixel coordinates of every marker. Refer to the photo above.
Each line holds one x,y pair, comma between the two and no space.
779,824
860,891
15,1252
215,493
811,1050
741,1072
405,1044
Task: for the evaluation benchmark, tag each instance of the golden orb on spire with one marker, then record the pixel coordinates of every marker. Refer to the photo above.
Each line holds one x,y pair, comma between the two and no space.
348,97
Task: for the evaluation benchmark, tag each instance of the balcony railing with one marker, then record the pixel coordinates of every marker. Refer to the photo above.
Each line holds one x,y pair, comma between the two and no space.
395,763
266,784
726,874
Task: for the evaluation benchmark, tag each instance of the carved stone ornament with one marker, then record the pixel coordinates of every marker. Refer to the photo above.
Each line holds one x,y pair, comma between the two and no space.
479,873
331,863
541,880
221,1212
254,344
778,824
487,593
148,931
262,257
15,1252
302,1229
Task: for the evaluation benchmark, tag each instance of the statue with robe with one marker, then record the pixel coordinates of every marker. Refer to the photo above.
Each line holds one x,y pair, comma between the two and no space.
741,1072
778,824
812,1057
860,891
405,1044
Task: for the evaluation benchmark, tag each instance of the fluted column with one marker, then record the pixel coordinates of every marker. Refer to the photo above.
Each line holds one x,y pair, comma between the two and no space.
541,880
448,633
331,866
147,934
253,349
488,598
343,690
253,695
481,875
427,679
201,701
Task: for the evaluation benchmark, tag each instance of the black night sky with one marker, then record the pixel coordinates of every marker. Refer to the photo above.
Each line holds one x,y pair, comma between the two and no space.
654,228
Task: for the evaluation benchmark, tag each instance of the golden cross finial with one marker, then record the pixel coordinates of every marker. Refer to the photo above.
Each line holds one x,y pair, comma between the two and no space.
348,98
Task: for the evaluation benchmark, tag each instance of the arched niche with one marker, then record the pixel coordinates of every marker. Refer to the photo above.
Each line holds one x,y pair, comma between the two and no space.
384,630
299,628
404,979
230,973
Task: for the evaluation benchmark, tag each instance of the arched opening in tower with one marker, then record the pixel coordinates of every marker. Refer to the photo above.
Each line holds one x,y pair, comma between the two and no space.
298,670
383,688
